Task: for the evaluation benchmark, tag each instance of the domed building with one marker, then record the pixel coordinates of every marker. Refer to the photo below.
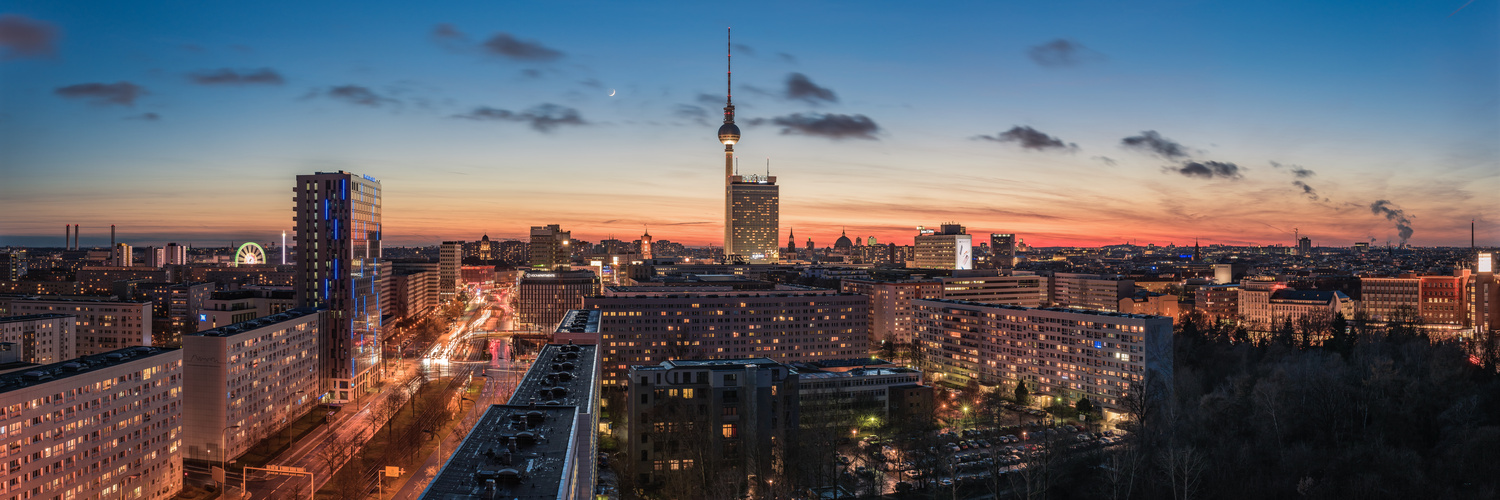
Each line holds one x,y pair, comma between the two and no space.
843,245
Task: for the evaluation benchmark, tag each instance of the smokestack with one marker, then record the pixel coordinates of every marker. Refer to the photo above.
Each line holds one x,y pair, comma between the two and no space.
75,237
111,236
67,235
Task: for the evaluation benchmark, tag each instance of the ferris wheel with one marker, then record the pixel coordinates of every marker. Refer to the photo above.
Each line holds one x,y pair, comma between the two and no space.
250,253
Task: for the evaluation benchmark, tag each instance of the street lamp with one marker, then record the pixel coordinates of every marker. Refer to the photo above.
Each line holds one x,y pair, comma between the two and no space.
224,454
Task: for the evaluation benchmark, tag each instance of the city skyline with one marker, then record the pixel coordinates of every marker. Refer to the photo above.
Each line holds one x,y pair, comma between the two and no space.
1232,125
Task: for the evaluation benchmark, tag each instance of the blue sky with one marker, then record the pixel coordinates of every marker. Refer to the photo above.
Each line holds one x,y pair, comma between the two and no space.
1397,102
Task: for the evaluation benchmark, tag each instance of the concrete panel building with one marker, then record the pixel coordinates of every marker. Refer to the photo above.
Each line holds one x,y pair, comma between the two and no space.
1026,290
1064,353
684,413
947,248
267,370
103,325
890,306
784,325
1089,291
238,306
106,425
752,209
551,248
41,338
450,260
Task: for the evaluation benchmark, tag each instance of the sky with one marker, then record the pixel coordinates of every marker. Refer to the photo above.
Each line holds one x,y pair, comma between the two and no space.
1067,123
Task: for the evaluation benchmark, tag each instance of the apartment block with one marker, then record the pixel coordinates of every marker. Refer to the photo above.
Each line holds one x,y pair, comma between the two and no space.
105,425
890,306
1066,353
103,325
41,338
683,414
267,371
545,296
787,325
1089,291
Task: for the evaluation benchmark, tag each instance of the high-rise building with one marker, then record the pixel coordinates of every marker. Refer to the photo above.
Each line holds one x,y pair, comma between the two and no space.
947,248
175,309
1484,294
450,260
129,447
176,255
123,256
12,265
1090,354
752,203
1304,247
1003,250
545,296
550,248
338,258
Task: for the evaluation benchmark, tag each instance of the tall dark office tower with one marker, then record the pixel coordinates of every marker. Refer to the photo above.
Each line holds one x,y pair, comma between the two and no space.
751,202
1003,250
338,253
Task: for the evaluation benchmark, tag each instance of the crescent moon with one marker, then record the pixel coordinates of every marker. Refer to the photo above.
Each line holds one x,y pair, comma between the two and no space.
611,92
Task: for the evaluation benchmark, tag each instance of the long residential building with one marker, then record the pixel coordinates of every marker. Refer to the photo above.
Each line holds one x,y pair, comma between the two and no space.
890,306
41,338
267,371
787,325
1064,353
106,425
1437,300
103,325
1089,291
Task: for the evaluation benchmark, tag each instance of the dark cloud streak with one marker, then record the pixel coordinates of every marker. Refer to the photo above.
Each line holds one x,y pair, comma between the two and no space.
21,36
1061,53
1209,170
799,87
1030,138
832,126
1152,142
263,76
103,94
542,118
505,45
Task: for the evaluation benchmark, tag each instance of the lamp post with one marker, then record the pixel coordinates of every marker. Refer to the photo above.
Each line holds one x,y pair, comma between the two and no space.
224,454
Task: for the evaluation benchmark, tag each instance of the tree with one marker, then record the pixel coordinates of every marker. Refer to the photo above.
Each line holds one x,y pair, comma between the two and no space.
1023,396
1084,407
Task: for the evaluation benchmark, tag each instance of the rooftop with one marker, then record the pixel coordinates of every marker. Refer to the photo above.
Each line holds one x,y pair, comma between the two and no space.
563,374
513,452
48,373
1052,309
255,324
32,317
712,364
579,321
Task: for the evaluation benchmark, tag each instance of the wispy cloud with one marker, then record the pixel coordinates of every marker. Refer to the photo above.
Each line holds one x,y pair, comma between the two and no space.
1208,170
263,76
1061,53
1152,142
801,88
21,36
103,94
542,118
830,125
1030,138
356,94
505,45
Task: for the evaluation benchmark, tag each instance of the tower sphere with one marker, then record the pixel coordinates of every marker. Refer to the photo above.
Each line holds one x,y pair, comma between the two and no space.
729,134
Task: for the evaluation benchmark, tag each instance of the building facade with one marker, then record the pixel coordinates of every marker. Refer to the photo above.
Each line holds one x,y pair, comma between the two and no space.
41,338
784,325
1089,291
450,260
1064,353
102,325
545,296
684,413
991,288
947,248
338,269
106,425
267,368
753,207
551,248
890,306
